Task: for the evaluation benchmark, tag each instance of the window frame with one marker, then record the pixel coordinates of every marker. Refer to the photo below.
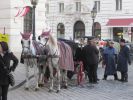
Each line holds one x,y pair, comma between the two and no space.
28,21
98,5
118,5
78,6
61,7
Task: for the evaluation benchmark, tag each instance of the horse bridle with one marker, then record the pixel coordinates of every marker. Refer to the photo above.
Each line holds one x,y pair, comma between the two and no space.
44,45
23,47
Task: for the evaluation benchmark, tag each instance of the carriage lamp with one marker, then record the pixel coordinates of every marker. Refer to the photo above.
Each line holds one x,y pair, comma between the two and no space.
34,3
93,16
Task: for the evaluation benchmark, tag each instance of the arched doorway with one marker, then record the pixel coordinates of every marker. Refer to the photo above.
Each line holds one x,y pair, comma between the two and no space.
79,30
60,30
97,30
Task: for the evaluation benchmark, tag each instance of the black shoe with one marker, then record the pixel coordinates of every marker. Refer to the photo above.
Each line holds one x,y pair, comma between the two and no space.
104,79
94,82
125,80
90,81
98,79
115,78
121,80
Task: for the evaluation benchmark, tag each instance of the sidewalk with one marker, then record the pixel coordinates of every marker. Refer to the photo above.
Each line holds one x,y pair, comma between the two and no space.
20,73
105,90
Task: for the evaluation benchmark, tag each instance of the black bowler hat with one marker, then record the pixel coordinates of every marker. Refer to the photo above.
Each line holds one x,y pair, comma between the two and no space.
122,40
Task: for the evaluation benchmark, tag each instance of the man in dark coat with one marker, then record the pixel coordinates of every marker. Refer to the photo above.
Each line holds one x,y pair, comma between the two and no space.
90,53
123,61
109,59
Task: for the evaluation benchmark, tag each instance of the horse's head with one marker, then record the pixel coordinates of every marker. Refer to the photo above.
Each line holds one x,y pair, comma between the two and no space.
25,41
44,37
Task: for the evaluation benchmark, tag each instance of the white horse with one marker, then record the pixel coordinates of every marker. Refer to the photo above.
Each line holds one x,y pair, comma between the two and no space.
28,59
55,57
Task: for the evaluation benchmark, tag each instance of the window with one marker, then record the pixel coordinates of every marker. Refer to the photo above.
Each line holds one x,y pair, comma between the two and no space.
97,5
47,8
60,30
118,4
78,6
61,7
28,21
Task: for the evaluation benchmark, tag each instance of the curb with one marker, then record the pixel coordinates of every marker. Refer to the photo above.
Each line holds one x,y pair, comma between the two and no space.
20,84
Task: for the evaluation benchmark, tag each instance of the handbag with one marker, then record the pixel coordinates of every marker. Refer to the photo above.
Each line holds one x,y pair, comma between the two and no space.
11,79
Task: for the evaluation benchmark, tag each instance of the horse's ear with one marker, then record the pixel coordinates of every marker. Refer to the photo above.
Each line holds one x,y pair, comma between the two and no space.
39,38
42,30
21,33
49,30
30,33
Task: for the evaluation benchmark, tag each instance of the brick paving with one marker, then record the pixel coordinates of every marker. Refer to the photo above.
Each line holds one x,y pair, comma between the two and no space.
105,90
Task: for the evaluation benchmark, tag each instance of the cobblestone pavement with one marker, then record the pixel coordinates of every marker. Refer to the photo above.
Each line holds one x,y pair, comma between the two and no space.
105,90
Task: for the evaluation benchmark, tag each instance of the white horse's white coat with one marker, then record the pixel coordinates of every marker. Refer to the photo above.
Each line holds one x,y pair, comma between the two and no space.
53,59
27,49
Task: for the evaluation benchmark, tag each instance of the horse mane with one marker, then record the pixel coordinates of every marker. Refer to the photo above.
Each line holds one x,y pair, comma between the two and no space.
52,40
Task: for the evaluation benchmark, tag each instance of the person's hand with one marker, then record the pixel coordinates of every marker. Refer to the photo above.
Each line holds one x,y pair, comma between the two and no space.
12,69
103,64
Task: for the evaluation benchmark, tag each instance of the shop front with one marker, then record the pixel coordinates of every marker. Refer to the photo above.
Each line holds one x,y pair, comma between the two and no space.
121,28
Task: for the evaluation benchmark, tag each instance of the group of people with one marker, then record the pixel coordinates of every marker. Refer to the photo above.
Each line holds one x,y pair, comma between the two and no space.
112,60
116,61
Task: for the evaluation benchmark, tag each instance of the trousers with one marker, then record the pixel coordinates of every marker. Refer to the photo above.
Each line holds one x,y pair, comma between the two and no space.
3,92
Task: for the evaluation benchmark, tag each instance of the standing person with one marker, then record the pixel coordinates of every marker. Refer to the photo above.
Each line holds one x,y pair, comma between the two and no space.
90,53
123,61
5,68
109,60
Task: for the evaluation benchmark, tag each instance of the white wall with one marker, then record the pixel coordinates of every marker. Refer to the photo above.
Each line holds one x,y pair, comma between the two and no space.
5,16
17,22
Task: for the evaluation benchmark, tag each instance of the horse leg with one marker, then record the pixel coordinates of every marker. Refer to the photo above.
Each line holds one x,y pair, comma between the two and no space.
36,75
40,80
51,78
27,77
58,80
64,79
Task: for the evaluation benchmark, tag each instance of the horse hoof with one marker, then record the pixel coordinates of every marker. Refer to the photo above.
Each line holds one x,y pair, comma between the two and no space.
26,88
50,91
36,89
57,91
41,85
65,87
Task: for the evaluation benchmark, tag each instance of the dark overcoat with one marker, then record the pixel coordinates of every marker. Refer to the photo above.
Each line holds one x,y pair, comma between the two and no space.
5,67
90,53
110,57
123,59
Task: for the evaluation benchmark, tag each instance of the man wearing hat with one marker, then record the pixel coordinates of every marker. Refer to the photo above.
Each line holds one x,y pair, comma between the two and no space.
90,53
109,60
123,61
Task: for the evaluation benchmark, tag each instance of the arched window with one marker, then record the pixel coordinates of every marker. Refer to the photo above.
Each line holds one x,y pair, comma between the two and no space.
79,29
28,21
60,30
97,30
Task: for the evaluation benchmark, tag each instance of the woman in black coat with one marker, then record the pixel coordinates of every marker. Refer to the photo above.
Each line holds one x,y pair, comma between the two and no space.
5,68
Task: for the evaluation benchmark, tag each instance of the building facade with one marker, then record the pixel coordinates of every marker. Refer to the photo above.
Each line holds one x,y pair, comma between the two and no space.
72,19
16,17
